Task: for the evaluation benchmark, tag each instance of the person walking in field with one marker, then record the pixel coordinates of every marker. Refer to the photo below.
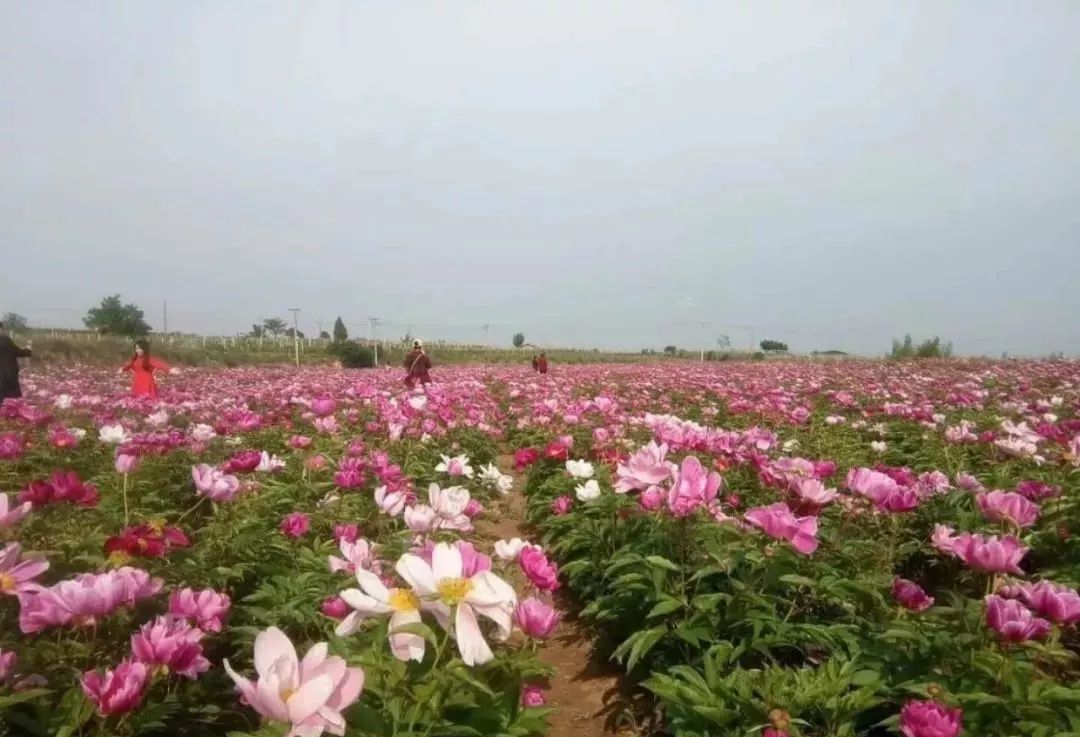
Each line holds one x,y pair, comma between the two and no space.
417,366
542,364
143,366
536,364
9,366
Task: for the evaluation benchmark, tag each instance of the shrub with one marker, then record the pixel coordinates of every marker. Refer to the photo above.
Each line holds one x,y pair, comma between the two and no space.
354,355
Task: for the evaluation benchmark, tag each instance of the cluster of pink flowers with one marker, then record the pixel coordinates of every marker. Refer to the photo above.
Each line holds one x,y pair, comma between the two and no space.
62,486
84,600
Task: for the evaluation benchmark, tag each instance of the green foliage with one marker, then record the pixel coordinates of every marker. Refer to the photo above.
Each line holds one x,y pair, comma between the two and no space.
929,348
773,345
670,350
15,322
341,334
519,340
114,317
274,326
353,355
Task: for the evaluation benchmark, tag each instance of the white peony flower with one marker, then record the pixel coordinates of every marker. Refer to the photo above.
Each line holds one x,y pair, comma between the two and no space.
588,491
580,469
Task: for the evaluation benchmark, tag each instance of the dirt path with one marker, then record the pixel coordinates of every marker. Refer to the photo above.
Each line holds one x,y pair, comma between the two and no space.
586,691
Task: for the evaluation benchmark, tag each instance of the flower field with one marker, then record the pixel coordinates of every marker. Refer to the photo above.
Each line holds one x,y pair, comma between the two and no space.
856,548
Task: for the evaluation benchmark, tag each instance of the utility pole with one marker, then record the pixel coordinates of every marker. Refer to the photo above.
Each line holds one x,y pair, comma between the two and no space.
165,317
373,324
295,334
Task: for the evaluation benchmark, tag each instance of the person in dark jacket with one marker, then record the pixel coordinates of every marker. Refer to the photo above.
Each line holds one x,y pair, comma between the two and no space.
418,365
542,364
9,365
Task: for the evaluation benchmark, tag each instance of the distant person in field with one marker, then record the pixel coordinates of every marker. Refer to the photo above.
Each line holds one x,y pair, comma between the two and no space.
542,364
143,365
417,366
9,365
536,364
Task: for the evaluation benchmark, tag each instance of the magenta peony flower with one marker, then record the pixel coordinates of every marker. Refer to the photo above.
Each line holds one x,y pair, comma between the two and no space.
207,608
1037,490
335,607
532,696
929,719
171,644
323,406
7,665
11,446
536,619
1059,604
119,691
910,595
1014,621
1008,506
295,524
652,498
347,532
543,574
244,461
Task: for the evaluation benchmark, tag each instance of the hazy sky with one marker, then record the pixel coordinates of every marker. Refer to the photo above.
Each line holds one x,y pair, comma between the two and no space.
601,173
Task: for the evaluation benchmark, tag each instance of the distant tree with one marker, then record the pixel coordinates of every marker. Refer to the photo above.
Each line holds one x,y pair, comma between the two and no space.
15,322
353,355
340,333
274,326
519,340
670,350
114,317
773,345
723,342
324,335
257,331
929,348
289,333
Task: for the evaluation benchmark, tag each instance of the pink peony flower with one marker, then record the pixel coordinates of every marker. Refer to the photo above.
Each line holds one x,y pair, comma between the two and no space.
7,665
1037,490
11,446
525,457
126,463
691,487
119,691
536,619
390,502
543,574
652,498
929,719
813,492
777,521
323,406
207,608
883,490
12,514
562,505
990,554
84,600
171,644
643,469
299,442
967,482
214,483
308,694
1008,506
295,524
910,595
18,575
1014,621
347,532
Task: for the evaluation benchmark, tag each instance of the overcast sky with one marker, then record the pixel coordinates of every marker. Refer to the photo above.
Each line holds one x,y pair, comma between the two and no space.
603,173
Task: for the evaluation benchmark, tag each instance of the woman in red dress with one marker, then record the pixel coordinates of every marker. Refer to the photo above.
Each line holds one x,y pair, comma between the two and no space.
143,365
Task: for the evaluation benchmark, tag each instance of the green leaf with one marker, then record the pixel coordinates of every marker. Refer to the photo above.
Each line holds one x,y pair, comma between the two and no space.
666,606
419,629
658,561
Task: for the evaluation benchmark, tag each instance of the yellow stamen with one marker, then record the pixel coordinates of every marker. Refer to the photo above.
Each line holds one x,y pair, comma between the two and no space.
157,525
286,693
119,558
7,582
453,590
403,600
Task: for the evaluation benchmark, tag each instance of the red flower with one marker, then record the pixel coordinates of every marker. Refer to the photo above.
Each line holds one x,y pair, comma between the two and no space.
149,540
